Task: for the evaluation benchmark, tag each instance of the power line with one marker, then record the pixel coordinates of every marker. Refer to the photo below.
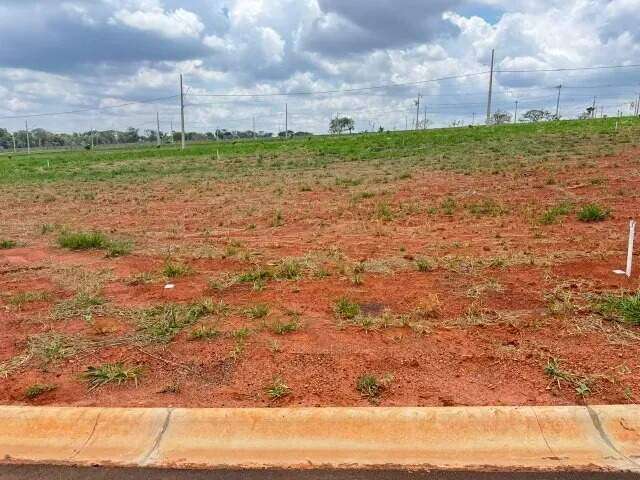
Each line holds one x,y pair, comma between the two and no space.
94,109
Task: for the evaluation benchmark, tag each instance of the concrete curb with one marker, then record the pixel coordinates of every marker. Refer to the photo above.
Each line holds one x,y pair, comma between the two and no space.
598,438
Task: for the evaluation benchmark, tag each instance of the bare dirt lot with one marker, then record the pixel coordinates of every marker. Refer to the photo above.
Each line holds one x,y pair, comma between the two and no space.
343,286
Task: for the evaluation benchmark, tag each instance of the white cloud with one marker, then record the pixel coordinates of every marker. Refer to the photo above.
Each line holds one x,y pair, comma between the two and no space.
173,24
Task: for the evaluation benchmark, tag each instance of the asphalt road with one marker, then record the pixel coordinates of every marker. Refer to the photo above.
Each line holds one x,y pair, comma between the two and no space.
37,472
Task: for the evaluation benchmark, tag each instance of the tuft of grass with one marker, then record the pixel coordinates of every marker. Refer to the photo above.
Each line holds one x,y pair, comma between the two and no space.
37,389
162,323
277,389
347,309
117,373
448,206
289,269
118,248
176,270
550,215
487,207
257,276
20,299
204,332
625,308
282,328
7,244
384,212
424,265
371,387
82,240
258,311
593,212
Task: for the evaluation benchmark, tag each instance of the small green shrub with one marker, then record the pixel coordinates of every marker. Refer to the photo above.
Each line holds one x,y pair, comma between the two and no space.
625,308
82,240
38,389
593,213
347,309
550,216
7,244
176,270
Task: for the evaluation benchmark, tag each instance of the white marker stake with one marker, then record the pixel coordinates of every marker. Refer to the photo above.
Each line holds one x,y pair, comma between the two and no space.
632,234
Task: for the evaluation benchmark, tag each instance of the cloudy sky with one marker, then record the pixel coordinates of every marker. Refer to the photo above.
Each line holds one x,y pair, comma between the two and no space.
58,56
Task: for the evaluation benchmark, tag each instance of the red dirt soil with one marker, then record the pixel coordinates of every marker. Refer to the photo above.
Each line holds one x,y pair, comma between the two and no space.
498,360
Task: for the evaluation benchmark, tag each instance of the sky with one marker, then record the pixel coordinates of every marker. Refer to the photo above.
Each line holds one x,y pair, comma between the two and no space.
93,56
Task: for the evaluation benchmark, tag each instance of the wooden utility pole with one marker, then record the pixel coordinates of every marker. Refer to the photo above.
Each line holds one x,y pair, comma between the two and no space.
418,112
182,112
493,52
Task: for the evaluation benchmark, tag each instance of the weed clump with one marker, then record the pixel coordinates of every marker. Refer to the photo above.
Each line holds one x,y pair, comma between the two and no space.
7,244
117,373
551,215
424,265
625,308
371,387
593,213
176,270
347,309
37,389
82,240
277,389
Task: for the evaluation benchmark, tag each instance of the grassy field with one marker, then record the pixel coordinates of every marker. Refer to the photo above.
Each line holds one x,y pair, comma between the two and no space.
468,266
468,149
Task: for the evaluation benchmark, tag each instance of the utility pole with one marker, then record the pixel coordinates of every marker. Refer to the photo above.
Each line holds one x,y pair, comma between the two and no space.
171,129
26,126
559,87
493,52
157,128
418,112
91,137
601,112
424,123
182,112
254,127
473,119
286,121
593,109
515,117
13,137
637,112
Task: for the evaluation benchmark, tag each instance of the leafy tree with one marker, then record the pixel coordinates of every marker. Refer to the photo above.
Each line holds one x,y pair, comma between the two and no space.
500,118
340,124
537,115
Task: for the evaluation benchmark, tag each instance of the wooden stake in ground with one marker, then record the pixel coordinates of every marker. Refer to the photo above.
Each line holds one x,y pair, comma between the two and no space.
632,234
